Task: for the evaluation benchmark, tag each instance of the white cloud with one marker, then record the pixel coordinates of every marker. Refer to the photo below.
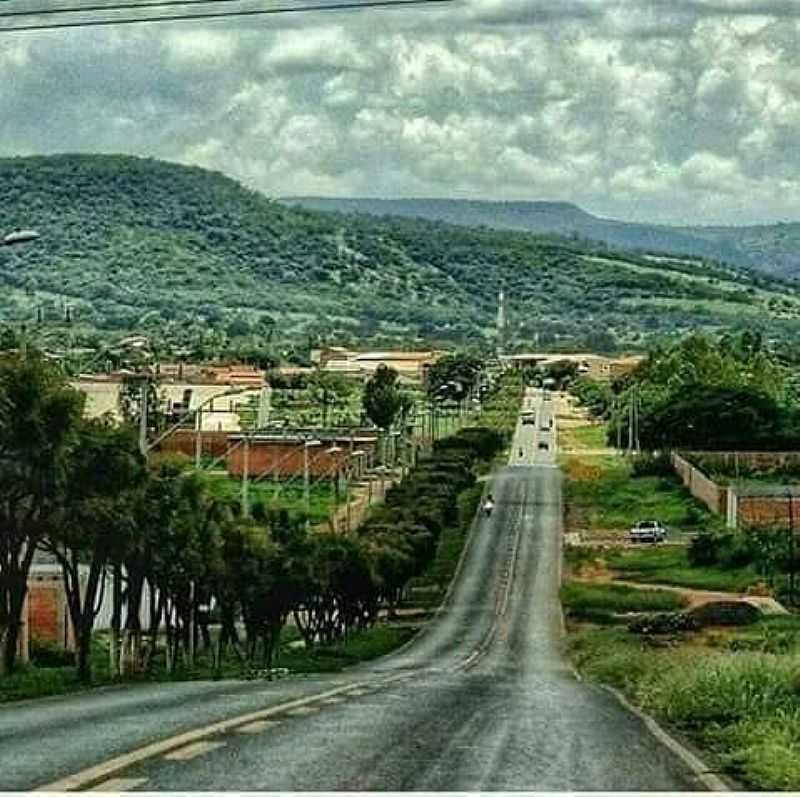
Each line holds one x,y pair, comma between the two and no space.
626,106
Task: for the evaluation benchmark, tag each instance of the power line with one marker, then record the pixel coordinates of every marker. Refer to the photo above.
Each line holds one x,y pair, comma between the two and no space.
213,15
110,7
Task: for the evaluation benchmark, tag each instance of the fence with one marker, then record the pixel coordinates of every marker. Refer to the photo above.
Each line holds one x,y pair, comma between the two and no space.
703,488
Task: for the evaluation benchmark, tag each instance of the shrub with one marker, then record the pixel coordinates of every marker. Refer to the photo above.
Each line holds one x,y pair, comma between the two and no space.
726,613
704,550
664,623
651,465
49,654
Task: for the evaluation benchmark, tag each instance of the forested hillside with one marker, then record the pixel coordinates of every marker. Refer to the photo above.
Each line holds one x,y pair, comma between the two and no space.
773,249
141,245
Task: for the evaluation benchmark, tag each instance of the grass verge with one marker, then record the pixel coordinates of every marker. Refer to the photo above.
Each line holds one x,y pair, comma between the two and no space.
362,646
670,565
744,708
600,603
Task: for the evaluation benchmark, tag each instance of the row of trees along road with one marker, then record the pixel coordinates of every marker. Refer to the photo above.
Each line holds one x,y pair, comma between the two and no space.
80,490
731,392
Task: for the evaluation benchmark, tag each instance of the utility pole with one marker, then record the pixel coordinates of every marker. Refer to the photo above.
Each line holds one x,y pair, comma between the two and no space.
791,546
246,477
198,439
630,423
306,481
145,383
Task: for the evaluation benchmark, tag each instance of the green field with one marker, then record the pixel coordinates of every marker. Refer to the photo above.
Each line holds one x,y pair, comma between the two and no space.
670,565
602,495
599,603
283,494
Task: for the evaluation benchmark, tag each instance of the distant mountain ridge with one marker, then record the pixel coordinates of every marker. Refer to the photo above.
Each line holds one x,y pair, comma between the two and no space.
136,245
774,249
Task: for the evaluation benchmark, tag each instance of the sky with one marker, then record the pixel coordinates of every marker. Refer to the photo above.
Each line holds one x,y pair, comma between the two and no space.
670,111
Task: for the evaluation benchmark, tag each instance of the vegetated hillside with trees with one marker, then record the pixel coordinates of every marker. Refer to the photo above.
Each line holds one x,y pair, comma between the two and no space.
193,258
772,248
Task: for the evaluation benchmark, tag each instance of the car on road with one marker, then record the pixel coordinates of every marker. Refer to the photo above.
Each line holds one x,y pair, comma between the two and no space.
543,445
647,531
529,418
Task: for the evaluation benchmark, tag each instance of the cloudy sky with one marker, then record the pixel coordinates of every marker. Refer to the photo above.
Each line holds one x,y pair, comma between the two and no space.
678,111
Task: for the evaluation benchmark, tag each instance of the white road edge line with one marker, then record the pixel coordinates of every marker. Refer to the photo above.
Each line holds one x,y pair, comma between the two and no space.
93,775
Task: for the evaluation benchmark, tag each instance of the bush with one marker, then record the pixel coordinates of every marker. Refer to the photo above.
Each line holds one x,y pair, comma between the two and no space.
704,550
664,623
651,465
726,613
728,550
49,654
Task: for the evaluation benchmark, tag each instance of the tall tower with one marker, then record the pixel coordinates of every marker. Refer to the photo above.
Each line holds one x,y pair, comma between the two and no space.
501,320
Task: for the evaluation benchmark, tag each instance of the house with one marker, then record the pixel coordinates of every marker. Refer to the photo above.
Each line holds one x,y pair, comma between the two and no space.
409,364
594,366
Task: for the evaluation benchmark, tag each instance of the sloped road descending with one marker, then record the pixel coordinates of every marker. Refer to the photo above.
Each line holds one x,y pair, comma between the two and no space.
482,700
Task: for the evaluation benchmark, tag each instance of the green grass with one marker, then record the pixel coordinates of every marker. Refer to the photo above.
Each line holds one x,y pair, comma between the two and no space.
591,437
670,565
611,499
577,596
743,708
290,496
32,681
377,641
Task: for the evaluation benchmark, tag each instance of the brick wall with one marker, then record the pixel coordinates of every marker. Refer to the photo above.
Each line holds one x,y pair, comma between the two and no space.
713,495
768,510
285,458
47,616
214,444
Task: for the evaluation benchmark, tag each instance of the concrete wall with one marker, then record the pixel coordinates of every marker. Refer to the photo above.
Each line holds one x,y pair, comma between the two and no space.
713,495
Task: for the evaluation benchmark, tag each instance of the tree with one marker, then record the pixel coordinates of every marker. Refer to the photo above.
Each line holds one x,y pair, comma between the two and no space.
39,419
703,417
95,522
330,391
452,376
382,397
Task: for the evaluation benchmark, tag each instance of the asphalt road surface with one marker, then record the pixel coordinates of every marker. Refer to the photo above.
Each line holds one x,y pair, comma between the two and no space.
481,700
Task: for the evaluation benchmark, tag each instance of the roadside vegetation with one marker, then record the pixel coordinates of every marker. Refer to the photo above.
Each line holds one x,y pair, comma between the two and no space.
733,692
227,593
720,669
606,495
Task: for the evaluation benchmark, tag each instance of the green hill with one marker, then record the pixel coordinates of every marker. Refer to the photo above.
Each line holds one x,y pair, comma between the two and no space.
774,249
141,245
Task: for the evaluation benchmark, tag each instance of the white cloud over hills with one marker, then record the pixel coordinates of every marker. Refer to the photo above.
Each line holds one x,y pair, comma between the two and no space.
679,111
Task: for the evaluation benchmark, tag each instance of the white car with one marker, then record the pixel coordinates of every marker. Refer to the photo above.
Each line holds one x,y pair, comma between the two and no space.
647,531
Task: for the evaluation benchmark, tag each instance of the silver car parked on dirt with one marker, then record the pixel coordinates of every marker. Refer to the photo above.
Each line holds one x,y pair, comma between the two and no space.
647,531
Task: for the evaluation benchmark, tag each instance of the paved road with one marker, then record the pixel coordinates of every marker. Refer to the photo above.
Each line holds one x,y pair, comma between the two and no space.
480,701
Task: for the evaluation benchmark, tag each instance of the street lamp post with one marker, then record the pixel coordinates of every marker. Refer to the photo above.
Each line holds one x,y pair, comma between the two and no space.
15,238
146,447
19,237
